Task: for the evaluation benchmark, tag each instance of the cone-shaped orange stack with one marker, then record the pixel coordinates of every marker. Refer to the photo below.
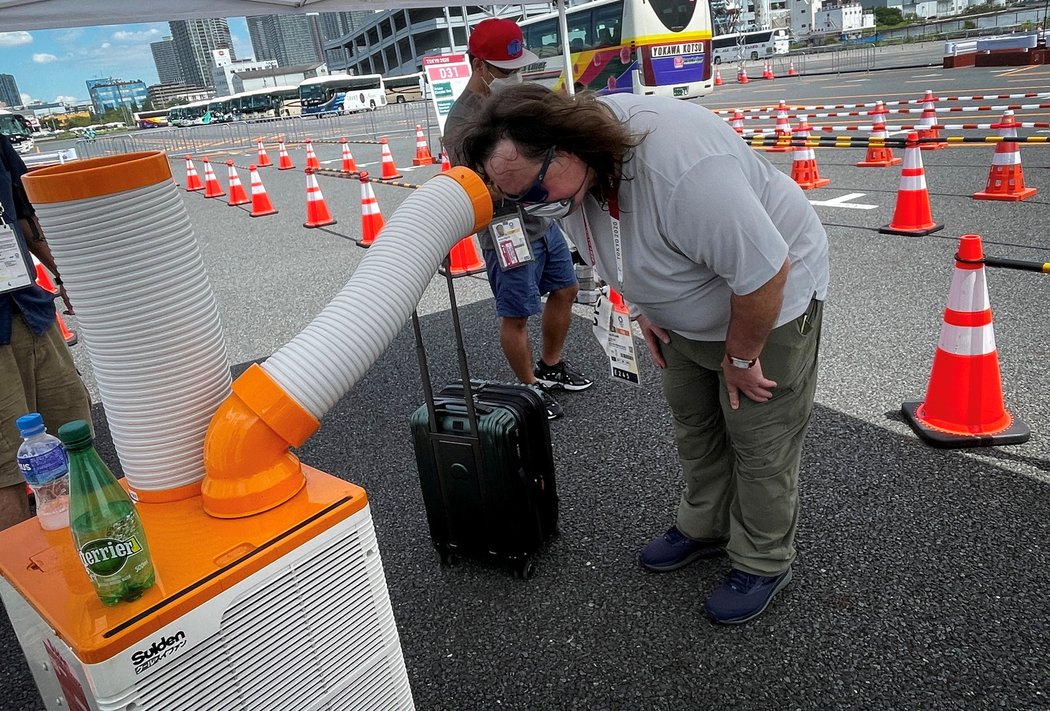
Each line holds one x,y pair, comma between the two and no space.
1006,177
311,158
193,181
446,164
912,214
317,214
964,399
237,194
737,122
261,205
372,221
284,161
264,157
928,123
804,166
423,156
782,130
718,77
212,188
349,165
389,167
464,259
878,156
741,75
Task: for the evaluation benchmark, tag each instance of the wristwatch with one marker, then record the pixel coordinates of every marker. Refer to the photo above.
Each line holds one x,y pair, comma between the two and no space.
741,363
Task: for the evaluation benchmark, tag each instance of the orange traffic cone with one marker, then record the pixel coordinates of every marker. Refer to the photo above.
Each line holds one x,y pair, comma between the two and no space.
912,215
237,194
44,281
878,156
317,214
718,77
311,157
349,166
928,124
389,168
193,181
804,166
372,221
264,157
446,164
261,205
767,70
284,161
211,183
741,75
964,399
423,156
737,121
464,259
782,130
791,68
1006,177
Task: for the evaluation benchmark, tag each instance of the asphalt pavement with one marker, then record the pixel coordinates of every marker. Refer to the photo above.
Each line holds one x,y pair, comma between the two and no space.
921,576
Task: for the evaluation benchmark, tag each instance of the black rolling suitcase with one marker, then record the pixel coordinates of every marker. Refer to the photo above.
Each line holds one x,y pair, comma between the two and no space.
485,466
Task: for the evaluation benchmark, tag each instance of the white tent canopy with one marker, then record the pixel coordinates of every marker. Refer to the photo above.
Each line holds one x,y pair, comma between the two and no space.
54,14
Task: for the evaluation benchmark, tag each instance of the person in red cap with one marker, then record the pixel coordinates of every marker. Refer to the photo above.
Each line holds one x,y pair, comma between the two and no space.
497,55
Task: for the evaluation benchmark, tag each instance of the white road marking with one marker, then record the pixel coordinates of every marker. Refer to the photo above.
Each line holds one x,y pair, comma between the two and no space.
843,201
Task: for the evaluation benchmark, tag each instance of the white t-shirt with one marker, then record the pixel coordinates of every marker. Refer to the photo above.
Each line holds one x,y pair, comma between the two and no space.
702,216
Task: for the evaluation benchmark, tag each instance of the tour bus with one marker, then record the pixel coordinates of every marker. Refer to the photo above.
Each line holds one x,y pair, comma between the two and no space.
188,114
341,94
758,44
268,102
410,87
18,130
651,47
218,110
151,119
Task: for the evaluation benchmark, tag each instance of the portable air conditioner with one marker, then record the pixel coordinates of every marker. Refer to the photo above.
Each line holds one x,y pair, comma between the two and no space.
287,609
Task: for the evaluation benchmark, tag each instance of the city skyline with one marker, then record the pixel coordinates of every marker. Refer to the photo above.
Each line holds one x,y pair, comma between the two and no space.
54,65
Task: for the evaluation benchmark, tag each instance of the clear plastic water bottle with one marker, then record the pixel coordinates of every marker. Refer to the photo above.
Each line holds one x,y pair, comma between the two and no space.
44,464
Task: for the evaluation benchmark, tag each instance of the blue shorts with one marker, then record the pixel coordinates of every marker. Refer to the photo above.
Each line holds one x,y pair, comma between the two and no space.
518,290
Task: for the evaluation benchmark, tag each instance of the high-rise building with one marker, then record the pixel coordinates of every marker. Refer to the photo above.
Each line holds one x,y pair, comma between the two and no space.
112,93
337,24
290,39
9,95
195,40
166,61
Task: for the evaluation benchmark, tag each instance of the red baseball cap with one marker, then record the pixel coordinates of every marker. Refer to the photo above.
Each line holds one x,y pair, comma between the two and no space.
500,43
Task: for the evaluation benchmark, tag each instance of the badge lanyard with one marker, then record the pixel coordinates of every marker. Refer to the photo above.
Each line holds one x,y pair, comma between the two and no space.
612,321
14,263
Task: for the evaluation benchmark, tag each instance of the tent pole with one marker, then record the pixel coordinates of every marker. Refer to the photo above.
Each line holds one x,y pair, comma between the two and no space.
563,29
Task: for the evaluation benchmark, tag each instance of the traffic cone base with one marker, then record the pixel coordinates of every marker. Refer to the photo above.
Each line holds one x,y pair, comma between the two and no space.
423,156
1006,176
1006,189
463,259
964,404
912,214
880,158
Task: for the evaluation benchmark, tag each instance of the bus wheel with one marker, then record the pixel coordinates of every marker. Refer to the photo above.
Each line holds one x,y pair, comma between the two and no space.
372,105
400,99
754,56
718,60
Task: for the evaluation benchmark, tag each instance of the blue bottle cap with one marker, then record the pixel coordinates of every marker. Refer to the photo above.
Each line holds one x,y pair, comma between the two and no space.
30,424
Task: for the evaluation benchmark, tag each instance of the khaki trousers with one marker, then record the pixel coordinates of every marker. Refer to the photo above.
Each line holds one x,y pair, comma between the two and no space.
741,466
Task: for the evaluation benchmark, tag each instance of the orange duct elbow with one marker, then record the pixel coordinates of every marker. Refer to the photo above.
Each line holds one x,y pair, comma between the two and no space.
248,468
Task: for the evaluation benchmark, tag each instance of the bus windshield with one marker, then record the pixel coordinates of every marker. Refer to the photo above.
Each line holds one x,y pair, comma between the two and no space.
13,125
659,47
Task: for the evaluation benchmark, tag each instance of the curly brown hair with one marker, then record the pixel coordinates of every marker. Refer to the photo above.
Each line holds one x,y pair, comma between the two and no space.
536,118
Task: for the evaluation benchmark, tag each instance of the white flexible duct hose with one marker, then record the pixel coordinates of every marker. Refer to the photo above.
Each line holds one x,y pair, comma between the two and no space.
322,363
150,323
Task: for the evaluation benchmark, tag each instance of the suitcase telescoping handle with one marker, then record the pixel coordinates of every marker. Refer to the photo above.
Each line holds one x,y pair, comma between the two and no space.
461,355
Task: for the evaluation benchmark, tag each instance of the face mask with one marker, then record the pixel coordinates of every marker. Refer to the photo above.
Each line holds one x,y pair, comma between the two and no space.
550,210
497,85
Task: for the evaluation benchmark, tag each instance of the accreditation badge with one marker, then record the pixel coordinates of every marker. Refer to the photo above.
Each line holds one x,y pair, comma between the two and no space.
512,244
611,324
14,263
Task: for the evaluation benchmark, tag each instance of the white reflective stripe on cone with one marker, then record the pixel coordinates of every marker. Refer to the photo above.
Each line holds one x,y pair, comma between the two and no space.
967,340
913,182
969,291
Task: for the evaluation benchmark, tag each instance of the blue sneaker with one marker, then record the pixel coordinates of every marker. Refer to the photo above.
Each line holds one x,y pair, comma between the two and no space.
744,596
674,550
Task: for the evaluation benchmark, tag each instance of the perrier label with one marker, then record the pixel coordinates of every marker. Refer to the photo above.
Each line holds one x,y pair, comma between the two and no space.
107,556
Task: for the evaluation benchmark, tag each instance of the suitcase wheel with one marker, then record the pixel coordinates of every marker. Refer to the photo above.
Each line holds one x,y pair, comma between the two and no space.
448,558
526,568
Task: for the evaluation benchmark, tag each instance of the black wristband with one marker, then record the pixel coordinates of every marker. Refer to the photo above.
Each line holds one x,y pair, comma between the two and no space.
58,281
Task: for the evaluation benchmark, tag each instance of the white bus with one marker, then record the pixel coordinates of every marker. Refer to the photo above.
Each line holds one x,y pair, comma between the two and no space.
268,102
151,119
660,47
341,94
410,87
758,44
18,130
188,114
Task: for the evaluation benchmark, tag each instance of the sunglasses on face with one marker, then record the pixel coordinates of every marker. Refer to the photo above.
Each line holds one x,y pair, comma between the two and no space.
536,192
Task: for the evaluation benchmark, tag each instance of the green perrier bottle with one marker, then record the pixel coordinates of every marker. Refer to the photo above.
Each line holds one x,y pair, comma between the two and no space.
106,528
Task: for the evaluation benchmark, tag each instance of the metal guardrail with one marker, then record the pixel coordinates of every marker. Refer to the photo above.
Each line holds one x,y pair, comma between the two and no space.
390,120
853,58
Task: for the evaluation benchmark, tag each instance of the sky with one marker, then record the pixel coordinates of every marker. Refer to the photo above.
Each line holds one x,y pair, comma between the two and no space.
53,65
